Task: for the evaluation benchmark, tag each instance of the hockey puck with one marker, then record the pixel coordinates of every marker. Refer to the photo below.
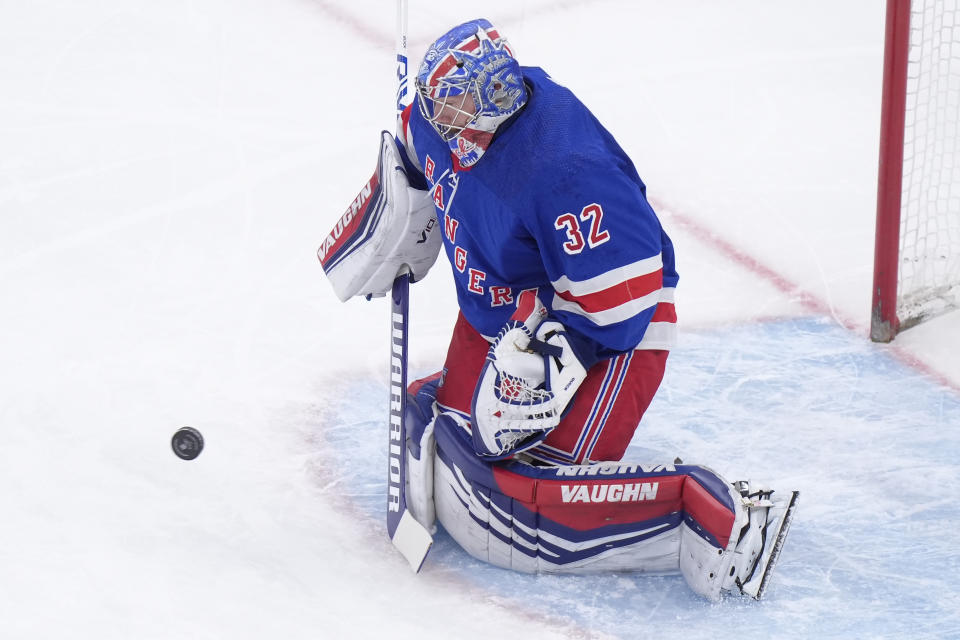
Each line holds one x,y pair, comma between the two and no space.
187,443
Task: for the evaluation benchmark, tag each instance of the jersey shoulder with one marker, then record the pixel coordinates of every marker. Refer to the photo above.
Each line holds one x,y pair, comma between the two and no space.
557,143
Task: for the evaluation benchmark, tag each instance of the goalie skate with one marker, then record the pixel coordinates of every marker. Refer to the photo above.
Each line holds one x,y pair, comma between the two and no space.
761,540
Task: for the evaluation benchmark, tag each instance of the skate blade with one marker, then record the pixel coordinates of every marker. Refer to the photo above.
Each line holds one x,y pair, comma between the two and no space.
757,585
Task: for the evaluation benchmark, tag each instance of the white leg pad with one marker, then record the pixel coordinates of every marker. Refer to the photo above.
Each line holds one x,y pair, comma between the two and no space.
578,519
489,533
419,495
702,564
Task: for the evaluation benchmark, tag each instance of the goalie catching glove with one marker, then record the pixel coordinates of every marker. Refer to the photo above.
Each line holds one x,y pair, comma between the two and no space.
529,378
389,228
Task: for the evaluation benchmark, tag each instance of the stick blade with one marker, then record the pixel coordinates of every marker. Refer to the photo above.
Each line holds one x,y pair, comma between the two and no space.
412,540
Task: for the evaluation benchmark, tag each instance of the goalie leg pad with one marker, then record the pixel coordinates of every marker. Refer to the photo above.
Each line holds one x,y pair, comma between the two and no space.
609,516
420,450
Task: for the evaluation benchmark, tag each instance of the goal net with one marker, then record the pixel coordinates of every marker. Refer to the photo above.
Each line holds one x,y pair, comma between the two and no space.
917,258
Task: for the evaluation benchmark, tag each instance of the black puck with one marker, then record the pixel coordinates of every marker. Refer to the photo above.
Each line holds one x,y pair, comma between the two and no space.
187,443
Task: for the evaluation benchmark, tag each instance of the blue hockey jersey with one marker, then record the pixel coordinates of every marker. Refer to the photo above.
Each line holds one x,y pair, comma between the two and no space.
553,205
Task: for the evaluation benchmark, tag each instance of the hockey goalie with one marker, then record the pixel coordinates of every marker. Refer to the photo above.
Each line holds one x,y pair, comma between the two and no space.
565,281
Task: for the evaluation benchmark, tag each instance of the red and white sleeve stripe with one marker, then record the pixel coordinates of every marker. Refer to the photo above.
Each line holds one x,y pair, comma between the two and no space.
405,135
661,333
621,294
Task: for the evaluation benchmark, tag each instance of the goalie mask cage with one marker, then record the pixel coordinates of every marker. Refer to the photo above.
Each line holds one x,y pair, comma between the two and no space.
917,251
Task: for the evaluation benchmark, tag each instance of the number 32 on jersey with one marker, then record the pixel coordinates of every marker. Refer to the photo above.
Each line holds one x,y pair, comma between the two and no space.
583,231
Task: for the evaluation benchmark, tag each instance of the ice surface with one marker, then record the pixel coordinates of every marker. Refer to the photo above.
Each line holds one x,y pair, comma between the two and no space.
167,171
871,552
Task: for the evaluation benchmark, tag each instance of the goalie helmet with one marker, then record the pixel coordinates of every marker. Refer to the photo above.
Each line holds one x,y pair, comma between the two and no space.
468,84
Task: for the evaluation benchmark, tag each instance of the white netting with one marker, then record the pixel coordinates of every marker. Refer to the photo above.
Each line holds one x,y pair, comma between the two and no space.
929,274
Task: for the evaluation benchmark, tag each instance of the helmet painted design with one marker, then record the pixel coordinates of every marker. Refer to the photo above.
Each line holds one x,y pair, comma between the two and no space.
468,84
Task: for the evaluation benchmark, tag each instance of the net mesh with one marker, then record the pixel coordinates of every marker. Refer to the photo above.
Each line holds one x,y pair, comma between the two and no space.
929,273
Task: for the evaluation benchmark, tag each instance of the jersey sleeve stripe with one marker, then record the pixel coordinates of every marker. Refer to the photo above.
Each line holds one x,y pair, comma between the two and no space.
659,335
666,312
609,278
618,294
405,137
610,316
405,120
661,332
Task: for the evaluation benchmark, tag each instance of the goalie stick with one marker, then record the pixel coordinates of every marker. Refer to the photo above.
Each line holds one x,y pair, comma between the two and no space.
410,537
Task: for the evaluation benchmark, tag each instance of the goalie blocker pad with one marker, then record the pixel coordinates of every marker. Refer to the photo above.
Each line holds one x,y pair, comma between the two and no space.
607,516
389,227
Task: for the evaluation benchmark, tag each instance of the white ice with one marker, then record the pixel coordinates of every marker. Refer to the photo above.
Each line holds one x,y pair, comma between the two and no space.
167,170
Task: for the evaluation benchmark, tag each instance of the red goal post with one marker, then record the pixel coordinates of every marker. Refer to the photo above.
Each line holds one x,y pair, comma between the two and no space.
917,250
